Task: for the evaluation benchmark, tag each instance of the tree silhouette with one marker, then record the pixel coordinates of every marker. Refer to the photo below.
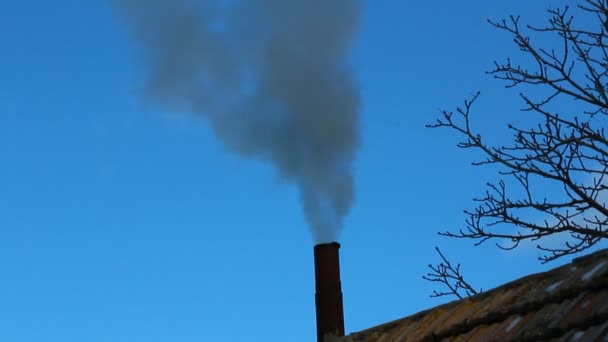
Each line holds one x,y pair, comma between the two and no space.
450,277
567,150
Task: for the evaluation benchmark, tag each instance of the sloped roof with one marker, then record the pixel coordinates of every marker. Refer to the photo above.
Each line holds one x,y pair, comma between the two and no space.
568,303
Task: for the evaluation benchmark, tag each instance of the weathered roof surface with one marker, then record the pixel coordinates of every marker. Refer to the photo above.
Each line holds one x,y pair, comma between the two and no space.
569,303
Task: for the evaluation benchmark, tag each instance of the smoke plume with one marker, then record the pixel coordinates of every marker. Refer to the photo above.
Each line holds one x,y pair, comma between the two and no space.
273,79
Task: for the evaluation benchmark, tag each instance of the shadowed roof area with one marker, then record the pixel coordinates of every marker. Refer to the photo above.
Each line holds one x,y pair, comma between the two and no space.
568,303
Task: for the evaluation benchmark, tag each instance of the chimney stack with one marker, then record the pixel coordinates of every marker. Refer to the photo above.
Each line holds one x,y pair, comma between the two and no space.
328,296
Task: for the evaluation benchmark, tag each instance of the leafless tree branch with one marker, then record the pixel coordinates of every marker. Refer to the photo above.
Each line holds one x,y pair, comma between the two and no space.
451,277
566,151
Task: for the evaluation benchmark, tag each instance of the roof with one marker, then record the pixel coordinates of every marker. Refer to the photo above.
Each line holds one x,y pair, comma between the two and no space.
567,303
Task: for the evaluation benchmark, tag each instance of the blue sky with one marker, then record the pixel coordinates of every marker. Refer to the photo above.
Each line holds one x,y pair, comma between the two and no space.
120,221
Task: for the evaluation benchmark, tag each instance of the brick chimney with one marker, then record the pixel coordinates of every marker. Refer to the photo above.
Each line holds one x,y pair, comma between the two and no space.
328,296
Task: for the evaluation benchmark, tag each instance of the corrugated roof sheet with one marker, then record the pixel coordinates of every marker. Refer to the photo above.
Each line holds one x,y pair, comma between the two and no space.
569,303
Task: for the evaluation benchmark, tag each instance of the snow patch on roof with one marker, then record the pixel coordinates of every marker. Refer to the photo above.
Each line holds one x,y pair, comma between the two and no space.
513,323
577,335
592,271
553,286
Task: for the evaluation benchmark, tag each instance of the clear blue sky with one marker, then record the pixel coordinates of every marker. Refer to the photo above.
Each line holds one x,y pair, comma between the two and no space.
120,221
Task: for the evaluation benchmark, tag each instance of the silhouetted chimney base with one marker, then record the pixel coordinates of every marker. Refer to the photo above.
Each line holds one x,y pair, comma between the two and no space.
328,297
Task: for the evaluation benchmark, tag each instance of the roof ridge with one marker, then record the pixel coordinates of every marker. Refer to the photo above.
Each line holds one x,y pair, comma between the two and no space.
596,254
570,287
521,309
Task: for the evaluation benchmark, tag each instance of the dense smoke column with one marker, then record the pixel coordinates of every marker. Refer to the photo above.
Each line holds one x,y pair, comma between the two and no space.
273,79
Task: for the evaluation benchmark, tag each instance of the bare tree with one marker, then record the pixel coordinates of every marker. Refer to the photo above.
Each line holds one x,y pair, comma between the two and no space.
450,277
567,150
